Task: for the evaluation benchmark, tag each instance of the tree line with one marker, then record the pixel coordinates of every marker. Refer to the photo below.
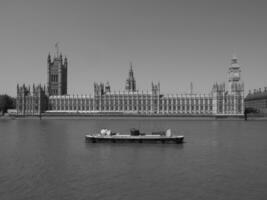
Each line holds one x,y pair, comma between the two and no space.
6,102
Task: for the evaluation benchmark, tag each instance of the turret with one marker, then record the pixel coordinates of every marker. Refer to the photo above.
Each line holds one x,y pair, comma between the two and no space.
155,88
61,59
65,61
49,58
107,87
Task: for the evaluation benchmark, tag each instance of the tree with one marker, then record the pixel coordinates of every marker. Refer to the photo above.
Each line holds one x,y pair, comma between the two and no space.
6,102
250,110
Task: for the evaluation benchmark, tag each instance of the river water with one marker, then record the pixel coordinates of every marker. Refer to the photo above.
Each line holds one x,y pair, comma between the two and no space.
49,159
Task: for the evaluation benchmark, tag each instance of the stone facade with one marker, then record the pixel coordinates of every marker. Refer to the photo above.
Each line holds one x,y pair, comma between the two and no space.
229,100
31,101
57,71
219,102
134,102
257,100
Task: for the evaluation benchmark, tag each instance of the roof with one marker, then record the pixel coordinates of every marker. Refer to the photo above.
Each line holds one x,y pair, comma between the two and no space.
256,96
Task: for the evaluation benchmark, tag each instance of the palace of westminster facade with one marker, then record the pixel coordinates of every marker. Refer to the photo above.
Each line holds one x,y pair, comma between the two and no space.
53,98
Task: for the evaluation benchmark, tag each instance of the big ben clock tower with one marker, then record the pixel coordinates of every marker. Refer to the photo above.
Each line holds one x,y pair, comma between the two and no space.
234,74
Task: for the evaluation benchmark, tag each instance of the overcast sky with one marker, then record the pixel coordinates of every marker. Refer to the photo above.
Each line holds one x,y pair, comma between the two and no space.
171,41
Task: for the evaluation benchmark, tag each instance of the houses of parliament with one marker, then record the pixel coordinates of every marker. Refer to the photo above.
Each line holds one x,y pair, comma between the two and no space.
53,98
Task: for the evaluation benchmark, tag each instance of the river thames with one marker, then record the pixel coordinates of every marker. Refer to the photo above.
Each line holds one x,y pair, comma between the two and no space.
49,159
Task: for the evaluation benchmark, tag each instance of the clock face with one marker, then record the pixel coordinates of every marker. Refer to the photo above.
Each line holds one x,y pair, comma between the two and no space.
236,74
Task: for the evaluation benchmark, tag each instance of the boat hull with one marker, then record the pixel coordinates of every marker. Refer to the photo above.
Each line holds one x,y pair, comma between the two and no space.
134,139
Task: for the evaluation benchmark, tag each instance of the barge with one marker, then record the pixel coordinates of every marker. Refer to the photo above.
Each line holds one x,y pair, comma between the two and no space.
134,137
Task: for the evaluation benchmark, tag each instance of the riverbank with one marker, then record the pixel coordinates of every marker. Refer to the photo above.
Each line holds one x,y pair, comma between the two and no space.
126,116
59,115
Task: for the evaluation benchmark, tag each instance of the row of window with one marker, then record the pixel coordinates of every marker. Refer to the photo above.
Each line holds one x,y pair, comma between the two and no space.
54,78
135,98
54,91
131,108
221,109
129,102
29,107
259,104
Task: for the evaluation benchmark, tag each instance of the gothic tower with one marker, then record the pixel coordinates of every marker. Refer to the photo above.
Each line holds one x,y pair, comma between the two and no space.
234,100
234,75
130,82
57,71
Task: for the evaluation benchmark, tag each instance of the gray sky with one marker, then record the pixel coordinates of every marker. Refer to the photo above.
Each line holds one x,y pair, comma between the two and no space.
171,41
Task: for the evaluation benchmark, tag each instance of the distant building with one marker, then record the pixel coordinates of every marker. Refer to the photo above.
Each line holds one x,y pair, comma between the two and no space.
221,101
257,100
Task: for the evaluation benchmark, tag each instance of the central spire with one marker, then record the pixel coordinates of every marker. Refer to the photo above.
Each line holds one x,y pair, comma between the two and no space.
130,82
57,49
